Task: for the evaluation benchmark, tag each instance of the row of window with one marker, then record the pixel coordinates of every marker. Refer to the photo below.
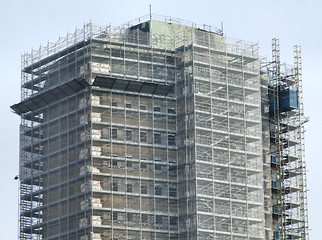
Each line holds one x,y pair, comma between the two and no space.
144,189
144,218
144,107
143,137
158,167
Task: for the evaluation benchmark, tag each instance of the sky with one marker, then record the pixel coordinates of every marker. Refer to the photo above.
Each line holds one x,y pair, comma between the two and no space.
24,25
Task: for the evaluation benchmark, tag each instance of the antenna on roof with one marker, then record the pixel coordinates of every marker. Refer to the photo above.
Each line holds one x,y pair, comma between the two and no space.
150,12
222,28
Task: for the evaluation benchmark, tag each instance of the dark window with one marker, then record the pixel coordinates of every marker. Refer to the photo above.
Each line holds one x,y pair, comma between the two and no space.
157,109
173,221
158,190
158,219
115,187
144,189
143,137
171,110
171,139
172,170
158,167
144,165
130,217
129,164
128,134
114,103
114,163
129,187
157,138
114,133
172,119
143,107
115,216
172,192
128,105
144,218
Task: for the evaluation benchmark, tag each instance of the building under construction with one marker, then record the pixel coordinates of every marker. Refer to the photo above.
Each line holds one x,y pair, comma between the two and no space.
160,129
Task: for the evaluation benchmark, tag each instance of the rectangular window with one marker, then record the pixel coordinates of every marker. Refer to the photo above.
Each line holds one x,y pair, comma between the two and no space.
144,189
158,190
157,138
114,133
128,105
128,135
172,192
172,170
115,187
129,164
171,110
157,109
171,139
144,218
129,217
115,216
114,103
171,119
142,107
158,219
143,137
129,187
173,221
144,165
158,167
114,163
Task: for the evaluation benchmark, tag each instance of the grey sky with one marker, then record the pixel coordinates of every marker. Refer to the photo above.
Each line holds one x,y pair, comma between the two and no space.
27,24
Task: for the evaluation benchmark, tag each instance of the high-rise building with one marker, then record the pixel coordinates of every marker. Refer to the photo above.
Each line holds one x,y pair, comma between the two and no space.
160,130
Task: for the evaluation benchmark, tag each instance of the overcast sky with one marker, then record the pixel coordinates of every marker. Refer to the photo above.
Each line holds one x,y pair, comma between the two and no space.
27,24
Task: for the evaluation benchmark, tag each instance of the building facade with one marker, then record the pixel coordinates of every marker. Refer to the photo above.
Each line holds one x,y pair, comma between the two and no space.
159,130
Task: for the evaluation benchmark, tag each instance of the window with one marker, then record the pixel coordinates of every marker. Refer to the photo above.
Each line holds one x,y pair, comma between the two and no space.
114,103
142,107
144,218
171,110
129,187
129,164
128,135
172,170
172,192
171,139
144,189
171,119
158,190
275,209
114,133
144,165
158,219
143,137
157,138
157,109
173,221
158,167
114,163
114,186
130,217
115,216
128,105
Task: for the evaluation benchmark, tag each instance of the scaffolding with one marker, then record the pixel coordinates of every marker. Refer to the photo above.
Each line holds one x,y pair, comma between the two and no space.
286,124
151,130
